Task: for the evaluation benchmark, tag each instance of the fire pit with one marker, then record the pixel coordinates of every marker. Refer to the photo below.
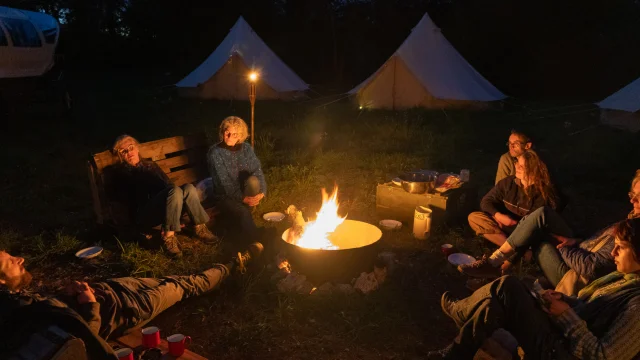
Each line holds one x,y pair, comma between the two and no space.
331,248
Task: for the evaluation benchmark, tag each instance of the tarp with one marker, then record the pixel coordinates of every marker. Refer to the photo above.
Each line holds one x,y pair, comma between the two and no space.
247,45
625,99
436,65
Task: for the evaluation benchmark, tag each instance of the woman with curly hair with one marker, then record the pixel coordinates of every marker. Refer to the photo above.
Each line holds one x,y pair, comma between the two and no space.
513,198
236,173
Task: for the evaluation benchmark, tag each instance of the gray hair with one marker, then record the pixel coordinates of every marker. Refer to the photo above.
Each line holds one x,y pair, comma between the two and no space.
234,121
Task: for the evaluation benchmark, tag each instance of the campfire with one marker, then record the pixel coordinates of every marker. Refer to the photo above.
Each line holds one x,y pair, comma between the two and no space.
315,234
330,247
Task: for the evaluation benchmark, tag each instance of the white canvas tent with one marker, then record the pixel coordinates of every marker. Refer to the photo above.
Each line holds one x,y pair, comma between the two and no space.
620,110
426,71
27,43
223,75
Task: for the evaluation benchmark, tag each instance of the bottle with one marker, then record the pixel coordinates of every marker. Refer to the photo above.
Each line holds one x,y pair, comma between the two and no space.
464,175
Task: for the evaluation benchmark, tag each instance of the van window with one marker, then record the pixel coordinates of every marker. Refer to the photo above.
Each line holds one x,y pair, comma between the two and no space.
22,32
3,37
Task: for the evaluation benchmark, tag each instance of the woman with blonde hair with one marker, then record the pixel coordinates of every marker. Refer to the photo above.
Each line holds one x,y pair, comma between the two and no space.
236,173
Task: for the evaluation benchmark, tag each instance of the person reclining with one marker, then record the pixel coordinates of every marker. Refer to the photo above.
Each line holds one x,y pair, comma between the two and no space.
602,322
99,311
236,174
518,143
151,198
512,198
555,248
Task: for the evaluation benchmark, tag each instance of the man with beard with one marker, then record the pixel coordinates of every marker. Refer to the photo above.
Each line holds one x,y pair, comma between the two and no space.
99,311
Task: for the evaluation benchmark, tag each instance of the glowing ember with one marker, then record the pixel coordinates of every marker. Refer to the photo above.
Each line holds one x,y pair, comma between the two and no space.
316,233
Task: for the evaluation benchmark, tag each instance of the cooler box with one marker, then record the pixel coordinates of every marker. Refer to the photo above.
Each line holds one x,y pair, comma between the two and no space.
392,202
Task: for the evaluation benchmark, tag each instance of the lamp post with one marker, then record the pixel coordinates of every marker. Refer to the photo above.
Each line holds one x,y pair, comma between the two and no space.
253,77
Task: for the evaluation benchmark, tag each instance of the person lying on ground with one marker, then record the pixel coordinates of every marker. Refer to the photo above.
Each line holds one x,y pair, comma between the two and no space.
514,197
236,173
151,198
100,311
518,143
602,322
555,248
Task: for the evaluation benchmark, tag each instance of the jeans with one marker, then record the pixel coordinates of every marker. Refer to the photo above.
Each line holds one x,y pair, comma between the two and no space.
506,303
534,231
166,208
239,214
130,302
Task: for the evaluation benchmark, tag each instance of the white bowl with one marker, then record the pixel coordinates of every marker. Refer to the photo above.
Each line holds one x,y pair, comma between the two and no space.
89,253
388,224
461,259
273,216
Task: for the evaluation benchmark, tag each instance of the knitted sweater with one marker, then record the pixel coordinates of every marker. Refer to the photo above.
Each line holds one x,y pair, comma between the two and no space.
230,167
605,322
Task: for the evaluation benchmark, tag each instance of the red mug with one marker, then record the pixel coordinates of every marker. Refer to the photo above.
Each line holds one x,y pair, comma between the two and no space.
178,343
150,337
124,354
447,249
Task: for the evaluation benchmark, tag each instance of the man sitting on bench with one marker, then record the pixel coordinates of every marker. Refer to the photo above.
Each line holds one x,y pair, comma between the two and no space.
602,322
151,198
99,311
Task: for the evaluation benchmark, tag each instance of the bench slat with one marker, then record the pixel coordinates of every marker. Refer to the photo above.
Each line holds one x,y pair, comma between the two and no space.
185,176
195,156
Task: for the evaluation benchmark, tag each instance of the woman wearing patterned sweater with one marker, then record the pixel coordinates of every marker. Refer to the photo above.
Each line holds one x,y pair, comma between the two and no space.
236,173
602,322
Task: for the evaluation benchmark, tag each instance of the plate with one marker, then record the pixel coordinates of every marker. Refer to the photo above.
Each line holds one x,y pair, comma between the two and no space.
461,259
89,253
397,181
273,216
388,224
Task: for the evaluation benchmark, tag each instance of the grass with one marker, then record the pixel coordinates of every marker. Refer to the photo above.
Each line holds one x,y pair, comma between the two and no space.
47,215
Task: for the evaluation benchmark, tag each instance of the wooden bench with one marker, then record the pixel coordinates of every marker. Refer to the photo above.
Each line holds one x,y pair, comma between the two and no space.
183,159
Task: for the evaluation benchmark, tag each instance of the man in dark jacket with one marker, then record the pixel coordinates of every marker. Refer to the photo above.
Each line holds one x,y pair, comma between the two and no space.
97,312
150,197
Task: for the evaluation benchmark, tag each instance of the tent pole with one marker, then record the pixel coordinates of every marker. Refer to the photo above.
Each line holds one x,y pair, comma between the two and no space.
393,87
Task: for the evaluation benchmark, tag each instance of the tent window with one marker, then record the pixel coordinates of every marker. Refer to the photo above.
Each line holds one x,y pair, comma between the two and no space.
3,38
50,35
23,33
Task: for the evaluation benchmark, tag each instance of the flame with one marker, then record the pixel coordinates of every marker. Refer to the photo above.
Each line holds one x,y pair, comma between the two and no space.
316,233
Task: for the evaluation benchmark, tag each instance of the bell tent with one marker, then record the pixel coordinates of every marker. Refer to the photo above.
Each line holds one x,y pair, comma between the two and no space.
426,71
224,74
620,110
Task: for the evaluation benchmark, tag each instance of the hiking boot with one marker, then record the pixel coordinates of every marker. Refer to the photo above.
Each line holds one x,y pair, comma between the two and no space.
253,253
480,269
447,302
203,233
171,245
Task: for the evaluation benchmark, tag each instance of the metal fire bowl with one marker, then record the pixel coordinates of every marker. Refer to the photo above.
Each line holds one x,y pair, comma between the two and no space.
358,249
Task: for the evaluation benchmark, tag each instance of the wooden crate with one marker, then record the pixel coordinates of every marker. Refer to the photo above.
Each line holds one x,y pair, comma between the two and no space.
183,159
392,202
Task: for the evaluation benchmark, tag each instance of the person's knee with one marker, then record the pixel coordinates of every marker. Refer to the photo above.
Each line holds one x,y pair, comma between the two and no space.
478,221
175,194
189,190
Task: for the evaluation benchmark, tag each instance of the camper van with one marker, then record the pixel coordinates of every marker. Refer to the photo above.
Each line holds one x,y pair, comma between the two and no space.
27,43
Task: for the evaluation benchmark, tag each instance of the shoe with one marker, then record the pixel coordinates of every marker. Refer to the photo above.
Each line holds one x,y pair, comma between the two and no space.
203,233
243,259
447,303
171,245
480,269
